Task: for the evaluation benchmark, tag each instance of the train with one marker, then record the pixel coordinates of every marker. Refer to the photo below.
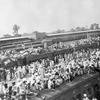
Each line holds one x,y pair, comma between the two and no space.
75,90
70,36
87,84
18,42
46,39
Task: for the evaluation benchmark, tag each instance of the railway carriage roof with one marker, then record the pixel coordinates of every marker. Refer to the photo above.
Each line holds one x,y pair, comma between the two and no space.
12,38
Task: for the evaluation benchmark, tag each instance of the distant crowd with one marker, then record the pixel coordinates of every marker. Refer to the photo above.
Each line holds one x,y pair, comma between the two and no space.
40,50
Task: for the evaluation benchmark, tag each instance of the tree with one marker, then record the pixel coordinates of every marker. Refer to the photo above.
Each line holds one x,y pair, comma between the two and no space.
72,30
94,26
83,29
60,31
36,32
15,29
78,29
91,27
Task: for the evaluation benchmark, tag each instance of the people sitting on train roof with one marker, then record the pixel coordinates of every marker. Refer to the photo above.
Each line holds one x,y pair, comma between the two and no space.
40,50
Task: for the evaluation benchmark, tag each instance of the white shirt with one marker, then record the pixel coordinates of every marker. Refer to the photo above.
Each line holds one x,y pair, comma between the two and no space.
49,84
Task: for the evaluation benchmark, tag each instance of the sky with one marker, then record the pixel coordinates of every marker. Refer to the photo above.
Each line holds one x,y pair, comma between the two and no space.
47,15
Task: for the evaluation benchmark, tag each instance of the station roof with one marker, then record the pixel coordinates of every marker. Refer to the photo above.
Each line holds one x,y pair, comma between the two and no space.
68,33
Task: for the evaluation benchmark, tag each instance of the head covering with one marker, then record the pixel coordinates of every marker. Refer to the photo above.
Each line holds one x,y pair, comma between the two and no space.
85,95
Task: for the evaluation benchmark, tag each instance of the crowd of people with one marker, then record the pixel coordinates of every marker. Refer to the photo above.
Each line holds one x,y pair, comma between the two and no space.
48,73
72,44
85,97
14,54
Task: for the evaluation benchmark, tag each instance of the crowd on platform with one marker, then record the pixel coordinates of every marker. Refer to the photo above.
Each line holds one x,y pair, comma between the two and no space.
48,73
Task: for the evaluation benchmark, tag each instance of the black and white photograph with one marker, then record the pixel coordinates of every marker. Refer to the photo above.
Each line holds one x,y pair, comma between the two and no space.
49,49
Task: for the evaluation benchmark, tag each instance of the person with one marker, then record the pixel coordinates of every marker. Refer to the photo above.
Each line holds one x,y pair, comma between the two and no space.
10,91
50,83
94,98
85,97
8,75
41,71
2,88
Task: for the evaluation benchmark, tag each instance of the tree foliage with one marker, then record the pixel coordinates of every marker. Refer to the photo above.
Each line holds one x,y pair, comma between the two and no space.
15,29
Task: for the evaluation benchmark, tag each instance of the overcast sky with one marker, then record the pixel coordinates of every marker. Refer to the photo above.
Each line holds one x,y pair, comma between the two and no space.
47,15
